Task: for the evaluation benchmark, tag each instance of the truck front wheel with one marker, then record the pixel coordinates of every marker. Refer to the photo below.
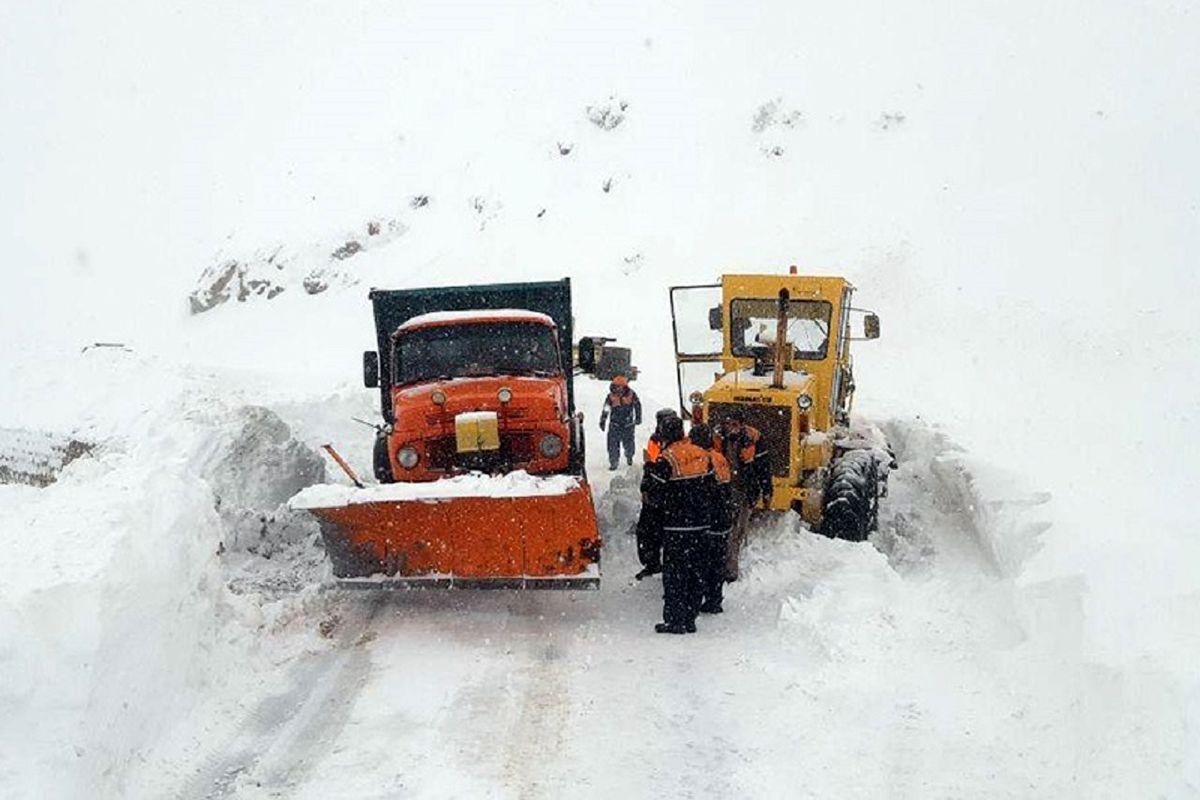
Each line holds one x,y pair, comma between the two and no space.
575,463
383,464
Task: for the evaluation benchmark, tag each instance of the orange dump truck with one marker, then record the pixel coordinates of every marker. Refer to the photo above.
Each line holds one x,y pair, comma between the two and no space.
480,457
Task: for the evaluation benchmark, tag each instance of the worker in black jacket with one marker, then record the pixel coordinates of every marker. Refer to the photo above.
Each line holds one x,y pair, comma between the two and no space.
715,541
623,405
649,524
684,478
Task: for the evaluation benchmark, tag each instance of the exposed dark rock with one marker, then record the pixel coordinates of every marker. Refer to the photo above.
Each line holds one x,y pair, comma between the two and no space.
215,287
315,283
35,458
609,115
345,251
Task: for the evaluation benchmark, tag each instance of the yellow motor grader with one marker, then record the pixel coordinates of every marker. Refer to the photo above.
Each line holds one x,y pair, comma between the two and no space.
777,347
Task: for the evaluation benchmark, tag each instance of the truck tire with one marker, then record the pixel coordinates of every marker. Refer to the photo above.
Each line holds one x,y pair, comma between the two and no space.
850,504
576,461
383,464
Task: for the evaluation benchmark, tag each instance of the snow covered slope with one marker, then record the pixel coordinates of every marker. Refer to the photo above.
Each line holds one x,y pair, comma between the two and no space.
1013,187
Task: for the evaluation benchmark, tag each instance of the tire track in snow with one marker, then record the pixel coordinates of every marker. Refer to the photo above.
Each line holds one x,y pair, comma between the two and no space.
538,735
282,735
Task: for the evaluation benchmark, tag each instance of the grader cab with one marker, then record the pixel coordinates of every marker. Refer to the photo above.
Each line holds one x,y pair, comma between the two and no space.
777,347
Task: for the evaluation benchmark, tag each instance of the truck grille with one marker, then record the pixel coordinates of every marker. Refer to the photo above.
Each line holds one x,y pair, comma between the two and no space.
773,422
515,450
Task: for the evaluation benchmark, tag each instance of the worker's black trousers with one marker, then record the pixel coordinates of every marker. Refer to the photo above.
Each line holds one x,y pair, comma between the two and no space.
649,537
620,437
714,549
681,575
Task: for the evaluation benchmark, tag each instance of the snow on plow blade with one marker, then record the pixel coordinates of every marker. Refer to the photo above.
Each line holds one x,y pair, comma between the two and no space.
514,531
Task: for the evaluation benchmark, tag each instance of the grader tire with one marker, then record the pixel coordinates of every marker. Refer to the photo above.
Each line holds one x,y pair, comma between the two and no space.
850,504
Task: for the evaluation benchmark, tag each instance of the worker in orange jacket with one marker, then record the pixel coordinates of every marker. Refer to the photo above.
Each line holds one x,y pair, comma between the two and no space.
649,524
746,450
684,478
714,546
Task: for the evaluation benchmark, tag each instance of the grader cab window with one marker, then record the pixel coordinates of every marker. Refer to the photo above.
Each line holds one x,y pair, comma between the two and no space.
692,316
755,321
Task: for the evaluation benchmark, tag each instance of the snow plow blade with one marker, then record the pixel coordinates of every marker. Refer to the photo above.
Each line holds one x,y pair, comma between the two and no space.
387,538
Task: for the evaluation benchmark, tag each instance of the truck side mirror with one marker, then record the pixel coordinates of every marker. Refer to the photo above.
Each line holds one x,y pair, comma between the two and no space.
715,319
587,355
871,326
370,369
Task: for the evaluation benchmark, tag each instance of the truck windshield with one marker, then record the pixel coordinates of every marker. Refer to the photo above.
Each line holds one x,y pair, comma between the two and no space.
754,323
474,350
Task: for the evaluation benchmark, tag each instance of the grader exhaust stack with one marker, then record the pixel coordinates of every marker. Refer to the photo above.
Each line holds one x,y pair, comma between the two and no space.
780,340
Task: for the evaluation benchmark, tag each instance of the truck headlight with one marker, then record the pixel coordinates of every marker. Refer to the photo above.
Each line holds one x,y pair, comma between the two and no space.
504,395
408,457
804,402
551,445
438,397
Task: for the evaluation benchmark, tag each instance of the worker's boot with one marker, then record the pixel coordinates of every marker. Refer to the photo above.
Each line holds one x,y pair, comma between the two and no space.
663,627
647,572
711,608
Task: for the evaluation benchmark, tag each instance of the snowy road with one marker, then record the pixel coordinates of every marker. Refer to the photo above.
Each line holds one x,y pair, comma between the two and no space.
924,664
832,673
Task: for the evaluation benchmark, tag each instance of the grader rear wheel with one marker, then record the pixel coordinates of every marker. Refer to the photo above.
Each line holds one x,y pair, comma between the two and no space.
850,505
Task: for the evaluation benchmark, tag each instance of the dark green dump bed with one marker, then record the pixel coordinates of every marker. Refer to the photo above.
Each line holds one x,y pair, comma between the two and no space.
394,307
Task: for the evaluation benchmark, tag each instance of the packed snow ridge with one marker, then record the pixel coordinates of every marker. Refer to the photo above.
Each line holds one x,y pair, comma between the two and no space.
475,484
452,317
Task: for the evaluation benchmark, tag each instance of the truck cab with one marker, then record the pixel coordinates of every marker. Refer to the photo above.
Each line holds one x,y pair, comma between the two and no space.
477,390
485,389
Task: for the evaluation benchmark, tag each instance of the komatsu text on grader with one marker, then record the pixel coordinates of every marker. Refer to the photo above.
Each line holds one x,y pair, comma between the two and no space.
480,457
777,347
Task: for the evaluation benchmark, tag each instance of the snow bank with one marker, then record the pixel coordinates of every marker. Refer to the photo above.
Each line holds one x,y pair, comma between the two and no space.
1138,699
514,484
109,623
947,637
1007,519
253,464
134,594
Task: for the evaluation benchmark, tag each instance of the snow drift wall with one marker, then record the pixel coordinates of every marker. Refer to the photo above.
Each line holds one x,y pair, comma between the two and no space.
124,615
